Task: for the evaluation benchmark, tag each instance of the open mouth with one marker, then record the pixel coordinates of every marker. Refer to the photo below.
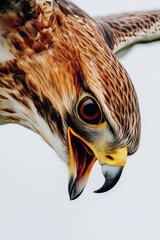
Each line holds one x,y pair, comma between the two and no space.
82,160
84,157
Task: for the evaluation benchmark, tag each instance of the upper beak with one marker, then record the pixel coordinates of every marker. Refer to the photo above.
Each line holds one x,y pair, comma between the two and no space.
112,167
82,158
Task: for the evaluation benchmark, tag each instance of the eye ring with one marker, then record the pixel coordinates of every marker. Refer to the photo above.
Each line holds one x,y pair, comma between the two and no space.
89,110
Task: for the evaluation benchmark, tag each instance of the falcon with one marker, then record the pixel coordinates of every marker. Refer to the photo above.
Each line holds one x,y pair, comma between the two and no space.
60,77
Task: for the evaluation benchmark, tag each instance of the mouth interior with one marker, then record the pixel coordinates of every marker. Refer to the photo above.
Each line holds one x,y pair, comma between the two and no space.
83,155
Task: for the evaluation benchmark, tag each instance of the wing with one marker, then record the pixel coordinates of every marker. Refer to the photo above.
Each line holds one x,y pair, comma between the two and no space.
124,30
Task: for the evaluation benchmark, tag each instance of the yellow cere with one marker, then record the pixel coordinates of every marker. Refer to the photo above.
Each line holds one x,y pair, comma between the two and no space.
117,158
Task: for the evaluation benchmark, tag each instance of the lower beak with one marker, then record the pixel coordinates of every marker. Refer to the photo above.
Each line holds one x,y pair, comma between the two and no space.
81,162
82,159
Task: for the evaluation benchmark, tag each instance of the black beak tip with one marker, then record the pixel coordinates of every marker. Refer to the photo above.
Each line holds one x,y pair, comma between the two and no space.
72,190
107,186
110,181
74,196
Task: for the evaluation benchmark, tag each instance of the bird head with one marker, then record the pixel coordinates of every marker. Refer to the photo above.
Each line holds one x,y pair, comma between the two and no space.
60,79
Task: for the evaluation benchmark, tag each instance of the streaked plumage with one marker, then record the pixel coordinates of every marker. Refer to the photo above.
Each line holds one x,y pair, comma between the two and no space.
54,57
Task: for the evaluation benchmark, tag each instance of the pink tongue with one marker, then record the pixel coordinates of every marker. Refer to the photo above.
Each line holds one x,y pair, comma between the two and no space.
88,150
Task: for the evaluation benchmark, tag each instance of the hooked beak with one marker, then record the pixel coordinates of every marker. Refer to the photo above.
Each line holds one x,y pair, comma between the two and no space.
112,167
112,175
82,158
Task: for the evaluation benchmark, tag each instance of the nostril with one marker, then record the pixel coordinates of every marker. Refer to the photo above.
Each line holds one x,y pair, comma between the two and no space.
110,157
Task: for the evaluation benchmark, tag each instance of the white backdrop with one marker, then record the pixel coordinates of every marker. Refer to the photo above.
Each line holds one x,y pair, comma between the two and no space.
34,203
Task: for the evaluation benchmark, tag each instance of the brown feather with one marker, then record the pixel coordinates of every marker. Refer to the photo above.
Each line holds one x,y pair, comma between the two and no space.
58,53
124,30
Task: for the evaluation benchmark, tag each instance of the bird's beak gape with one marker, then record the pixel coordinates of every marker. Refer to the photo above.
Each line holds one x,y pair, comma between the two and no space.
82,156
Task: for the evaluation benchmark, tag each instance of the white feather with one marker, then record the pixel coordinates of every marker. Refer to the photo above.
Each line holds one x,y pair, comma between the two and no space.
30,118
5,53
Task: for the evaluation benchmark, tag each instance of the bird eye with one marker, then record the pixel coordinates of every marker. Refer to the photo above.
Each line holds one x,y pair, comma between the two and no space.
89,111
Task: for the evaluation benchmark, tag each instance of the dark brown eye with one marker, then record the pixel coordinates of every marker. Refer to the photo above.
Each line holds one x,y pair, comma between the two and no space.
89,111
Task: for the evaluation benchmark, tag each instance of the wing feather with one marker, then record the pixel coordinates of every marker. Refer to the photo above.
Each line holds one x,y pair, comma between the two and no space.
124,30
